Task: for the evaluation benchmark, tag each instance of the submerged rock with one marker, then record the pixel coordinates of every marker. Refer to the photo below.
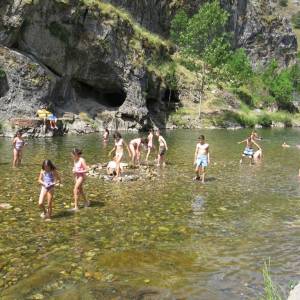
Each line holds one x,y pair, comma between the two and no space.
5,206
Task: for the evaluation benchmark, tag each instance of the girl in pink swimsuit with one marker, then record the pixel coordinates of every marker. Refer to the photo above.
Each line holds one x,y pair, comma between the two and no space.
18,144
119,152
79,170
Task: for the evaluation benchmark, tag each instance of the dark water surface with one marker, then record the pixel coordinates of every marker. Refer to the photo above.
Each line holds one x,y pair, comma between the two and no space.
171,236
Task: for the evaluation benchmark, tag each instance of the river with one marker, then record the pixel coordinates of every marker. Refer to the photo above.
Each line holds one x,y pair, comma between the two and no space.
169,236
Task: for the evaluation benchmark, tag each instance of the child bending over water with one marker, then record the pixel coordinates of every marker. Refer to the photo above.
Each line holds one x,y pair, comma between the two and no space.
79,170
18,144
202,158
249,151
163,147
135,149
48,178
119,152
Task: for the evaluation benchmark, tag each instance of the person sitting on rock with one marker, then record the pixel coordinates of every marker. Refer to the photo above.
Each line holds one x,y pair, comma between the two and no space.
44,114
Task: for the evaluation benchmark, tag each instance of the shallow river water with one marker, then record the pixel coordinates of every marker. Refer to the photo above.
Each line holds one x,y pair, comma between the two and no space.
167,237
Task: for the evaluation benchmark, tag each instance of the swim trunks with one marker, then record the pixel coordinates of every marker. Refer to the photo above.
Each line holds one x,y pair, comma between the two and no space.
162,150
248,152
202,161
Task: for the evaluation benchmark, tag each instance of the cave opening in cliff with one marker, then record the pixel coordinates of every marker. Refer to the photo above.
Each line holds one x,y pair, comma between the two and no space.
112,97
4,87
171,97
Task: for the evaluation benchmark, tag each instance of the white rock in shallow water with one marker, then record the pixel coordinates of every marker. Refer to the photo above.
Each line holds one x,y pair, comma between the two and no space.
5,206
295,293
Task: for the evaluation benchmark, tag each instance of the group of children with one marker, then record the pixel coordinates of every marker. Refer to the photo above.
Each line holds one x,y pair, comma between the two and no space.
49,176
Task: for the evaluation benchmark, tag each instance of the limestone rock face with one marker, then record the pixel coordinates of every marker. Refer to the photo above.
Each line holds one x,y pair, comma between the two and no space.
92,59
24,84
256,27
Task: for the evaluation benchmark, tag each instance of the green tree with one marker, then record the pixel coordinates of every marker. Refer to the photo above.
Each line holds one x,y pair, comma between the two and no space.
202,41
238,68
296,20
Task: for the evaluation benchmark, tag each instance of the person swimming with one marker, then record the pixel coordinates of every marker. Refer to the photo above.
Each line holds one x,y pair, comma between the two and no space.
163,148
119,151
135,148
48,178
18,144
202,158
249,151
79,170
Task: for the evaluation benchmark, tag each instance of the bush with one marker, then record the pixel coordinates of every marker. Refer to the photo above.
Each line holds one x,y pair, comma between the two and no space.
264,120
296,20
283,3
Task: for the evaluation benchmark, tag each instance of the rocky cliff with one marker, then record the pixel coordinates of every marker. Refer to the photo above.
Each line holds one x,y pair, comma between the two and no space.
93,57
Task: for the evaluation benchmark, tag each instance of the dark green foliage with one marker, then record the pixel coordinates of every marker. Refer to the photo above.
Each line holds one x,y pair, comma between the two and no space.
2,73
296,20
194,35
239,68
283,3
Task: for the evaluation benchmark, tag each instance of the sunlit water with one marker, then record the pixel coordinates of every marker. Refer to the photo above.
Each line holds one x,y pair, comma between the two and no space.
171,236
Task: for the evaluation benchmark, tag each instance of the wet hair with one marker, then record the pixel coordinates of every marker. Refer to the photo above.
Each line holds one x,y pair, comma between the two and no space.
18,133
117,135
106,130
48,163
201,137
76,151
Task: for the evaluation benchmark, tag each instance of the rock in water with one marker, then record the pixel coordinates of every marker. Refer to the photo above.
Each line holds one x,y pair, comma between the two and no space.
197,205
295,293
5,206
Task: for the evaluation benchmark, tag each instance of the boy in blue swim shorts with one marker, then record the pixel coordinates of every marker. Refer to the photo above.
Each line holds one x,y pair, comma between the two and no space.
201,159
249,151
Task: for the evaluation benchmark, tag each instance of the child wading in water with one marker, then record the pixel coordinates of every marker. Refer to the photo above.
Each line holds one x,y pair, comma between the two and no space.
150,143
249,151
163,147
79,170
202,158
18,144
135,149
119,152
48,178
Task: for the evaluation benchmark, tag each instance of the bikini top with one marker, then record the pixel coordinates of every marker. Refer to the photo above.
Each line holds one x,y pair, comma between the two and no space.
19,144
78,166
119,143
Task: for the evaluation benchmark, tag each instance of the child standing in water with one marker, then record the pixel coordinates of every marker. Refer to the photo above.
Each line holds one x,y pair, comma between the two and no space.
249,151
106,135
18,144
119,152
150,143
48,178
202,158
163,147
135,149
79,170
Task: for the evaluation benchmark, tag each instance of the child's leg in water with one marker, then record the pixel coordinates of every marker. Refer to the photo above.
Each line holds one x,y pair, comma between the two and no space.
50,203
77,191
41,201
